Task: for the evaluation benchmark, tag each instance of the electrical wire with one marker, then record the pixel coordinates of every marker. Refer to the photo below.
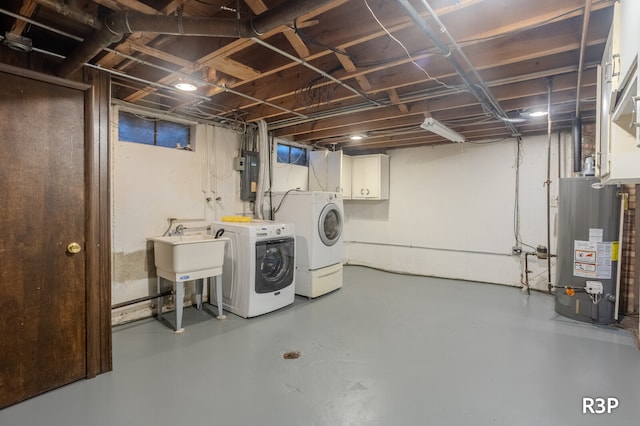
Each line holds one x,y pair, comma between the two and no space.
516,204
315,93
283,198
429,76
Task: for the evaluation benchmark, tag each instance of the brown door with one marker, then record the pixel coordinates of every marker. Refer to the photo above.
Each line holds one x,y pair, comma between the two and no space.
42,193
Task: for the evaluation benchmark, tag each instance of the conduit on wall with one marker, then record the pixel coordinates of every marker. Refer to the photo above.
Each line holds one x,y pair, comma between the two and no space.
263,149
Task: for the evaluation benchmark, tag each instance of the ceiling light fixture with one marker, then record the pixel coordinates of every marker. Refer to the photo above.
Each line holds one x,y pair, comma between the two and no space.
355,137
185,86
537,114
440,129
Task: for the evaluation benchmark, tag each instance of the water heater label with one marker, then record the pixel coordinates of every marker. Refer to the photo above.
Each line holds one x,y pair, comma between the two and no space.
592,259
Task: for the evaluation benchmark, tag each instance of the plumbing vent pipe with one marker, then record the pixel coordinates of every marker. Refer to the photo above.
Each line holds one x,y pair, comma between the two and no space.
120,23
576,126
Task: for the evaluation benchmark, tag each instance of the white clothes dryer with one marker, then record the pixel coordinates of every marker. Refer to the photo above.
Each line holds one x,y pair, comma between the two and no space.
259,267
319,220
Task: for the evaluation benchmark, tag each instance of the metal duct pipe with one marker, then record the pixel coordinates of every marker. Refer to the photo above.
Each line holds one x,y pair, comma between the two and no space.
120,23
71,12
576,127
126,22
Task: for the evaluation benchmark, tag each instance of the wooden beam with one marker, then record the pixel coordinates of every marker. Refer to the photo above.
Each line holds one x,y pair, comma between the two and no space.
27,9
349,66
256,6
395,99
296,42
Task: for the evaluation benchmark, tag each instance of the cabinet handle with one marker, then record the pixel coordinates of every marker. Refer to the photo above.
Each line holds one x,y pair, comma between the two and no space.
614,59
607,68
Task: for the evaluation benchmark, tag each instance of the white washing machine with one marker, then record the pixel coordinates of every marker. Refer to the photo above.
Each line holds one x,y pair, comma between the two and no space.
259,267
319,220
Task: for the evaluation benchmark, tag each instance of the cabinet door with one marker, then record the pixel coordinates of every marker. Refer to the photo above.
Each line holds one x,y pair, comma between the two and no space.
346,177
365,177
626,14
339,174
318,171
603,106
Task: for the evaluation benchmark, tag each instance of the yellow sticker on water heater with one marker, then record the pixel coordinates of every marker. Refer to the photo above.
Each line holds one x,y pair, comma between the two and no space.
615,247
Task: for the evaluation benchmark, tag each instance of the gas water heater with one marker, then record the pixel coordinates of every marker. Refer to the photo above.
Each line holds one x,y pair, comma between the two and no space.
588,228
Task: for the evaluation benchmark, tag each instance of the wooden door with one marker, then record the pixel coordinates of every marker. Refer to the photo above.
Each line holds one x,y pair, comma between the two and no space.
43,342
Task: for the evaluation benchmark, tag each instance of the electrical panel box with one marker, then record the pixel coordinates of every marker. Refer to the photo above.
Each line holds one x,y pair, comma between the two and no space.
249,176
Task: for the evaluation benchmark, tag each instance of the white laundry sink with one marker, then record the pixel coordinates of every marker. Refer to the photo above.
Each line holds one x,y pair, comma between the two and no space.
188,257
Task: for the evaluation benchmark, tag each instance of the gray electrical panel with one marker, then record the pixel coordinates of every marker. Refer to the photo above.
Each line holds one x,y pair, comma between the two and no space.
249,176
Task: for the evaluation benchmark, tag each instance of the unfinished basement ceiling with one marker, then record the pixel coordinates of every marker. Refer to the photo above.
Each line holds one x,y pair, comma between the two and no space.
345,67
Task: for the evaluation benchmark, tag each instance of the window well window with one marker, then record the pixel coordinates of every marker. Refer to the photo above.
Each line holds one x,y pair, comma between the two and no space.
152,131
292,155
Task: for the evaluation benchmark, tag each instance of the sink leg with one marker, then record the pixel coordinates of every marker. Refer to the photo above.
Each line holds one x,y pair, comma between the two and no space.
199,287
218,281
159,300
179,291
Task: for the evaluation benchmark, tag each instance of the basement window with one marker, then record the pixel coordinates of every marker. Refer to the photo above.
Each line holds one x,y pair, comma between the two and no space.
292,155
152,131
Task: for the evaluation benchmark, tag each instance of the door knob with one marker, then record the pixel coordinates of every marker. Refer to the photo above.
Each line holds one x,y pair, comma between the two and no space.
74,248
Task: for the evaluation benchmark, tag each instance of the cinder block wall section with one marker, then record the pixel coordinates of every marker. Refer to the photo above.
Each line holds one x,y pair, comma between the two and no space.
628,287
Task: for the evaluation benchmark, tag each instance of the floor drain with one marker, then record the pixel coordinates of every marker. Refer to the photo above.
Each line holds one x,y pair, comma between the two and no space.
291,355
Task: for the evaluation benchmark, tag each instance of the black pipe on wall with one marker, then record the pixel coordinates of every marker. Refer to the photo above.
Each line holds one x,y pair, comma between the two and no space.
576,127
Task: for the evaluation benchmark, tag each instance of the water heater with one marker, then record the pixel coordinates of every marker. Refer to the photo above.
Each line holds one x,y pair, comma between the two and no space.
588,226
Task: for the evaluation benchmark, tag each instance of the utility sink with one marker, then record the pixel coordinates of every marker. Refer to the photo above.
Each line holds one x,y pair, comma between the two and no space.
181,258
188,257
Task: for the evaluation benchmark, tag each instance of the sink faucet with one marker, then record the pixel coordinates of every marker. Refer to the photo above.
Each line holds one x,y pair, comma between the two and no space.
179,230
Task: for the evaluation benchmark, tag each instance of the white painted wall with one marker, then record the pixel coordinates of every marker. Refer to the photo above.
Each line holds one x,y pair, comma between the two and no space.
151,184
450,212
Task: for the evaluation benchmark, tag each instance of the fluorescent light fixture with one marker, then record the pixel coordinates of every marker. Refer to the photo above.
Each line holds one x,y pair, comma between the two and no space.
537,114
440,129
355,137
185,86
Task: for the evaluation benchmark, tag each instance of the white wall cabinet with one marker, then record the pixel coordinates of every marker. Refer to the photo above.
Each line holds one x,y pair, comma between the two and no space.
330,171
339,176
618,134
370,177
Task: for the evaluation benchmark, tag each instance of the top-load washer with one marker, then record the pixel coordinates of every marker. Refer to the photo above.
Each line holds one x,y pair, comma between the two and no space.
259,267
319,219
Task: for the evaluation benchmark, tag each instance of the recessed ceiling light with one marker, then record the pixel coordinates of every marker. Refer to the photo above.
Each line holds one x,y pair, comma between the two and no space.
185,86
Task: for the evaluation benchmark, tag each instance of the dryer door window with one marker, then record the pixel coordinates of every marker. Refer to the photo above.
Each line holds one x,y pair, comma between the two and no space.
274,265
330,224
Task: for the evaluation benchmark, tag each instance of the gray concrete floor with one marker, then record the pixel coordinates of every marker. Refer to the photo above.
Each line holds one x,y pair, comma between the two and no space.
385,350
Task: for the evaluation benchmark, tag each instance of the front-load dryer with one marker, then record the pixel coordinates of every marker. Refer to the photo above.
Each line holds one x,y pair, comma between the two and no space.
259,267
319,220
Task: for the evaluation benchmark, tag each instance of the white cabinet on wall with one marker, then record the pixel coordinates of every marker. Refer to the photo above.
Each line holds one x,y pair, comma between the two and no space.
318,170
618,135
370,177
339,174
330,171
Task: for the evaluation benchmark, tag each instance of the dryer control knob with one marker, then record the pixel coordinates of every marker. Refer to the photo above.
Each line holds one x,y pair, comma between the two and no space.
278,231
